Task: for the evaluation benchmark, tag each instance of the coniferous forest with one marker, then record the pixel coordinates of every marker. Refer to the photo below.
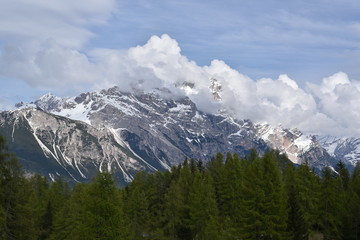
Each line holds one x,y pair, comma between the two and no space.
256,197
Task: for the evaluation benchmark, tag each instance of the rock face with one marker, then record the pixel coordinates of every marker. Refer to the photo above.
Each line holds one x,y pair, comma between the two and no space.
162,131
56,146
299,148
345,149
125,133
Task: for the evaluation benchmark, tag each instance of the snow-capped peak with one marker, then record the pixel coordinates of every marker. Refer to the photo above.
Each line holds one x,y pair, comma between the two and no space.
175,128
289,141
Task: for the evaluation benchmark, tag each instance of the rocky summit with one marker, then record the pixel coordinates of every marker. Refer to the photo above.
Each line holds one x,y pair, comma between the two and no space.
124,133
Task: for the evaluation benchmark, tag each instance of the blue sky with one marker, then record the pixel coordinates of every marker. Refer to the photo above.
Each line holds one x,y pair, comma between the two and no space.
308,40
68,47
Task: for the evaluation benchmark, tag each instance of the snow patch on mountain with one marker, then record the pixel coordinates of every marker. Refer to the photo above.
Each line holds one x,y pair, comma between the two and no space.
86,106
289,141
344,149
80,112
140,131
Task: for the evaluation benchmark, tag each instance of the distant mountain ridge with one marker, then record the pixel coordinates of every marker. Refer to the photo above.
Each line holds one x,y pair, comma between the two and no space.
127,132
345,149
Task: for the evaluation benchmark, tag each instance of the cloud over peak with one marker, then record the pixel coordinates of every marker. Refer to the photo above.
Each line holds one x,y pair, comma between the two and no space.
331,107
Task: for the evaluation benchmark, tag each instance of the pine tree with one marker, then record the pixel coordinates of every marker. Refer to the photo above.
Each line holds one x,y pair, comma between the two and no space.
46,222
94,211
17,221
203,209
331,206
252,201
184,184
308,188
264,213
230,196
174,205
24,219
343,174
156,187
70,222
40,205
104,209
296,224
137,207
216,170
351,230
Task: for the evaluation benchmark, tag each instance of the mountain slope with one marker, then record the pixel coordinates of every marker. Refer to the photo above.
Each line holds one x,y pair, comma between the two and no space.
56,146
345,149
169,130
163,131
126,132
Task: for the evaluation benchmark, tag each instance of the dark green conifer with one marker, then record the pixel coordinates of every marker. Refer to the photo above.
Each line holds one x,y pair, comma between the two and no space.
296,225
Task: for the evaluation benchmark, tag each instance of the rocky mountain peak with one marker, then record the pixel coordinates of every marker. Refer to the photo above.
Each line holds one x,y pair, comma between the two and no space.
215,88
345,149
128,132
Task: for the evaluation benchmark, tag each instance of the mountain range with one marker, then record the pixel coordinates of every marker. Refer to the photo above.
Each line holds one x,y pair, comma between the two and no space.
123,133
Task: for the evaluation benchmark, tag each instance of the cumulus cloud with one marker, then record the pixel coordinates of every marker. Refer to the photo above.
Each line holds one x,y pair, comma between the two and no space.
338,98
41,42
328,108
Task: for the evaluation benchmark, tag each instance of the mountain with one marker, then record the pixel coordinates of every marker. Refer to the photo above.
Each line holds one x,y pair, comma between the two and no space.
299,148
56,146
345,149
127,132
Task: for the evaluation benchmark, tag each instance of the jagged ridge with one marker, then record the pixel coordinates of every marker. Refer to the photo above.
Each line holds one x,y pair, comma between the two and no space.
129,132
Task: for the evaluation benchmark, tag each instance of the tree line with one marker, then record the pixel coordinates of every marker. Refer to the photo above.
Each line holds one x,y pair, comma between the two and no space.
255,197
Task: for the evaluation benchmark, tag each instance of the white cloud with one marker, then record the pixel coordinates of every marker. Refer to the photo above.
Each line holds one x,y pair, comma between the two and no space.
47,66
338,98
66,21
329,108
41,41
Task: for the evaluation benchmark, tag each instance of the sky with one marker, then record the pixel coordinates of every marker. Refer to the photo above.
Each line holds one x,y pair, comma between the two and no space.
290,62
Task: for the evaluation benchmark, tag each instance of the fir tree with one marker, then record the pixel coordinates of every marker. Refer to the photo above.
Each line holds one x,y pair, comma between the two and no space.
264,213
216,170
136,207
343,174
308,189
203,209
17,220
174,205
296,224
103,208
331,206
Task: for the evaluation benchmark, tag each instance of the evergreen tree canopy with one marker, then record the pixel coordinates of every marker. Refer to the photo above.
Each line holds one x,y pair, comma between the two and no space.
255,197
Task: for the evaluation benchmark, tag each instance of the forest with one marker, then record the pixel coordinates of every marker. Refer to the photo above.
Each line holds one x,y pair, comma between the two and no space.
254,197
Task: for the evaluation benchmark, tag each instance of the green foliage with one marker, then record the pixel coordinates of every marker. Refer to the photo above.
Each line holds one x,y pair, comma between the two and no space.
297,226
264,213
203,210
308,189
332,205
256,197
